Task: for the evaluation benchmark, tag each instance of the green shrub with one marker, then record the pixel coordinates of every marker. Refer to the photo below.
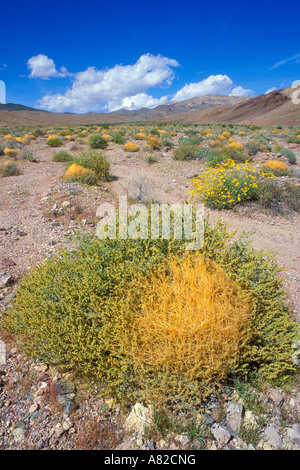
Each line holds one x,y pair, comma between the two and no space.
54,142
255,146
95,161
62,156
8,168
97,142
291,156
216,158
204,153
166,141
151,159
186,152
78,309
190,141
118,139
295,139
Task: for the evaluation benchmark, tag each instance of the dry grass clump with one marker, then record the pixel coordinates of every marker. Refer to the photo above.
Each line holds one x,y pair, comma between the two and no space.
190,327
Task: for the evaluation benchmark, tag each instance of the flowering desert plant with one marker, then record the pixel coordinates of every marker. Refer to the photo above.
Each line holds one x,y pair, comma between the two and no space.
277,167
227,184
131,147
10,152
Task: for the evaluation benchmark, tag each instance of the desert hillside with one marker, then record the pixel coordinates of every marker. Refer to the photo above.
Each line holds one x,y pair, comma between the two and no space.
275,108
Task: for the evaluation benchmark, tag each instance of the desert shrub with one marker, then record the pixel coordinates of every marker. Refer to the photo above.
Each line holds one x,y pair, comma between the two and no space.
153,131
8,168
204,153
235,145
254,146
290,155
140,136
97,162
37,132
166,141
77,173
292,196
271,196
86,309
186,152
216,158
10,152
26,155
295,139
227,184
53,141
62,156
277,167
190,141
131,147
118,138
184,335
153,142
97,142
226,134
151,159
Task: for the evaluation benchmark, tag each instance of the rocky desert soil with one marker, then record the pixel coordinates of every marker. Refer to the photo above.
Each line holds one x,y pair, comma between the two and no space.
40,407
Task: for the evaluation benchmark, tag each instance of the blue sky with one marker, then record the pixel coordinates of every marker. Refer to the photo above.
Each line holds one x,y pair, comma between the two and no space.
103,56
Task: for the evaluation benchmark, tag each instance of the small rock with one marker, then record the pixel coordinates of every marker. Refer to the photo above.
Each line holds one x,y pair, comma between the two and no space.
7,262
33,408
271,439
249,420
5,279
19,435
276,396
128,444
221,435
234,415
139,418
64,387
296,357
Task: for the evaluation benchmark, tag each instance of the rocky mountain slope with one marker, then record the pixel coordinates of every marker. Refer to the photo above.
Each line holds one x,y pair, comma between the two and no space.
275,108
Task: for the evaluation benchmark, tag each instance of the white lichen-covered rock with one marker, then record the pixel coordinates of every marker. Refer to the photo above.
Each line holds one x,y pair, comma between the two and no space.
139,419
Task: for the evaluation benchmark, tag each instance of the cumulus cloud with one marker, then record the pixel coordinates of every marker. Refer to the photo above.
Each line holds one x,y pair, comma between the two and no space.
212,85
240,91
41,66
122,86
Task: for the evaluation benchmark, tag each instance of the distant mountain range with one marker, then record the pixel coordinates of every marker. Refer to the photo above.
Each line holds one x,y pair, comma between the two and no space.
274,108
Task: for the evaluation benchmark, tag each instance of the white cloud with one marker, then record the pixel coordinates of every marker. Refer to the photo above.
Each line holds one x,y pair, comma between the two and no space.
240,91
295,83
43,67
122,86
141,100
295,59
212,85
270,90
